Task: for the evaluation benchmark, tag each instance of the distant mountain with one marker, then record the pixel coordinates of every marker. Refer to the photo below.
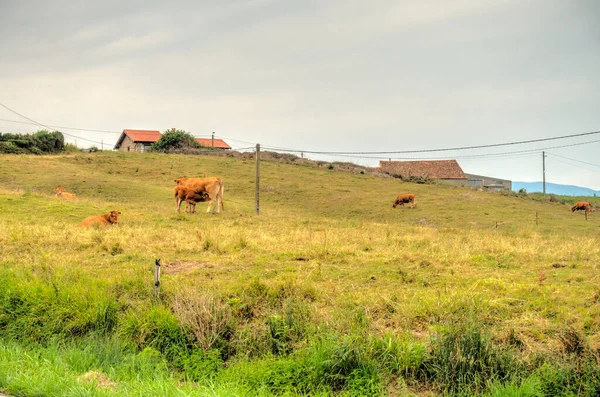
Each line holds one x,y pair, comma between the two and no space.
563,190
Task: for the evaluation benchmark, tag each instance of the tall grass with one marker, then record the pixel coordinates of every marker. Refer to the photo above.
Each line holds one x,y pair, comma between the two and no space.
320,295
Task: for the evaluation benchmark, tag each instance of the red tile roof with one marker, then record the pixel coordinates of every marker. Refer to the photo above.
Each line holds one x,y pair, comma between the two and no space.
436,169
219,143
143,135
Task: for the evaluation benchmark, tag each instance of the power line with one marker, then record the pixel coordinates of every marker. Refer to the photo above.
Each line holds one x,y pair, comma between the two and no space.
578,161
45,126
445,149
472,156
576,166
235,140
66,128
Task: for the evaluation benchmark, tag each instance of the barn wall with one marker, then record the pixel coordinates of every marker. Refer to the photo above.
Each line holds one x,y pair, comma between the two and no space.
456,182
490,183
127,143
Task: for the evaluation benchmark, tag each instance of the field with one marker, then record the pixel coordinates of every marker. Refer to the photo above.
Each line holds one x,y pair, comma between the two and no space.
329,291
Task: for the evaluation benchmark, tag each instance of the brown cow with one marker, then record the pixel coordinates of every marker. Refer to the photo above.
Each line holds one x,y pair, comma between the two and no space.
112,218
581,206
190,197
62,193
212,186
405,198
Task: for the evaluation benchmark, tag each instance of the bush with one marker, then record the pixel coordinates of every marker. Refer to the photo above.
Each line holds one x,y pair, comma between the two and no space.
175,139
39,143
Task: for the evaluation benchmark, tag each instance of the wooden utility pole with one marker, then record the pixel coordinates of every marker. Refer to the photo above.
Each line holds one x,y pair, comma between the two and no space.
544,171
156,278
102,144
257,178
213,140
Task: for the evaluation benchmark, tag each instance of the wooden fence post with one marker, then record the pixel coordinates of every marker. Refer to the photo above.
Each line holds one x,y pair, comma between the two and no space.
586,211
157,279
257,178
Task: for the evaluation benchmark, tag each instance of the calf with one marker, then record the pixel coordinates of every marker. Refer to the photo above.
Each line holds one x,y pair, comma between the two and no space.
212,186
405,198
112,218
62,193
190,197
581,206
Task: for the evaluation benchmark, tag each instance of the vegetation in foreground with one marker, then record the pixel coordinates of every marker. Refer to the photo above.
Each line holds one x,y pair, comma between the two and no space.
329,292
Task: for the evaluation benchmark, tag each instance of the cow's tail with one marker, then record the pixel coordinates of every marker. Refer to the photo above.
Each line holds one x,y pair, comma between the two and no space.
221,190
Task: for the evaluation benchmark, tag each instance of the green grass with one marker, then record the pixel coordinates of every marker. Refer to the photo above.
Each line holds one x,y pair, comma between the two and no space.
329,291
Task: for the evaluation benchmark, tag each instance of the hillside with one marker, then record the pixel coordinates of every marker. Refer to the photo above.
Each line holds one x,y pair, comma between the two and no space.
329,291
554,188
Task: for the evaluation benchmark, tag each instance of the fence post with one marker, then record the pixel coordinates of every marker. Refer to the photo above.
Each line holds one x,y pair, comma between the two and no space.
586,211
496,224
257,178
156,278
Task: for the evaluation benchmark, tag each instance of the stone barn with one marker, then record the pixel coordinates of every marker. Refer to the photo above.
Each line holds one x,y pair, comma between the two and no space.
137,140
447,171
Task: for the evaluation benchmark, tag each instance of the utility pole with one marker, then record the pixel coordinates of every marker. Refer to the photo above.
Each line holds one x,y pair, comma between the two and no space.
257,178
102,144
544,172
213,140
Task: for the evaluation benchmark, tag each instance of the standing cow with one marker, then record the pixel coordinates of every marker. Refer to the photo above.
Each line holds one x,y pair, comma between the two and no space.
405,199
581,206
212,187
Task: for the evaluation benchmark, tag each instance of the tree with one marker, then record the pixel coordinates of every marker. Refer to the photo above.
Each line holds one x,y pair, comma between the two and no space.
175,139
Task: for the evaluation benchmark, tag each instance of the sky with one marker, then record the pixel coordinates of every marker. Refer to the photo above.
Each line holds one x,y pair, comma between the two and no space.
326,75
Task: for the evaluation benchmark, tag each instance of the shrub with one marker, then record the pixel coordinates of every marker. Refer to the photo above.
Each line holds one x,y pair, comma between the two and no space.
38,143
175,139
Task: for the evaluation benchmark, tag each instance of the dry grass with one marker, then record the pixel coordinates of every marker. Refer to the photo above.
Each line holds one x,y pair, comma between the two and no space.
404,269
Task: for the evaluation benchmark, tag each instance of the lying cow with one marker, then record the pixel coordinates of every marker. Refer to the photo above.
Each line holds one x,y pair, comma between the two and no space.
112,218
405,199
212,186
62,193
190,197
581,206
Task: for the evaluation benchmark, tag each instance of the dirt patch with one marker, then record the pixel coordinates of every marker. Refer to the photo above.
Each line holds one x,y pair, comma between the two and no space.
178,267
98,378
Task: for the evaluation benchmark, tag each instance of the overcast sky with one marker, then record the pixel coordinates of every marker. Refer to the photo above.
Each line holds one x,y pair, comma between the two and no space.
333,75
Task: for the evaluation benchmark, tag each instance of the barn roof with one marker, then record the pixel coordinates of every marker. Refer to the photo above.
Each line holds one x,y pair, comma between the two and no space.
435,169
219,143
142,136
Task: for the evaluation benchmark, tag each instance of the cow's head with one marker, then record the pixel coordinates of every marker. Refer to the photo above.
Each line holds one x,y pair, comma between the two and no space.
395,204
113,216
180,180
59,190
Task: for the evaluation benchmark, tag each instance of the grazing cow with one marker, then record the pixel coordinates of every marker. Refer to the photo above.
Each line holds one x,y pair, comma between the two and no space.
62,193
112,218
212,186
190,197
581,206
405,198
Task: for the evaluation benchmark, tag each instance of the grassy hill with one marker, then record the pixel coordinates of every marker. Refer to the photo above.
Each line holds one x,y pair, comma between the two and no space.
328,291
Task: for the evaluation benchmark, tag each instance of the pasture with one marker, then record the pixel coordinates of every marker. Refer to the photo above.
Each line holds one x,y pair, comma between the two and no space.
330,291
